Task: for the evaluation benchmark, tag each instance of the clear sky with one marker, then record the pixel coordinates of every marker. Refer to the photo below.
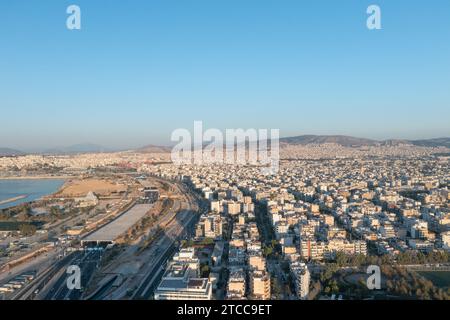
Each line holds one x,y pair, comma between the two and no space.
137,70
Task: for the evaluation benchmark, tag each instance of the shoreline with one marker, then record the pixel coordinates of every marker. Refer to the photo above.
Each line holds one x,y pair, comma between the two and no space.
65,180
6,201
36,177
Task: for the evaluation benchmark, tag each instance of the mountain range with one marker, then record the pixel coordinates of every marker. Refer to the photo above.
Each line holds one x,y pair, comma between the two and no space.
342,140
349,141
154,149
7,152
78,148
73,149
314,139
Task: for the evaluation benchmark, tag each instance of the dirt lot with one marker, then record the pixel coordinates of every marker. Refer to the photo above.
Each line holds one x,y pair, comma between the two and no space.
77,188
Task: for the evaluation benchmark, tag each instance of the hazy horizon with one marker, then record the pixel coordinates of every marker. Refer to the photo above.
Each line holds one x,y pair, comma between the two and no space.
131,146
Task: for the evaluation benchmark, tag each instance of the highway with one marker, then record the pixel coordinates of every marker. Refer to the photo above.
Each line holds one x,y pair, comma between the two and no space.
167,249
186,221
44,278
88,263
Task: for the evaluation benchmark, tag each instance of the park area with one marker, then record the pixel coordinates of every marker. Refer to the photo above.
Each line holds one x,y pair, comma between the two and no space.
78,188
440,279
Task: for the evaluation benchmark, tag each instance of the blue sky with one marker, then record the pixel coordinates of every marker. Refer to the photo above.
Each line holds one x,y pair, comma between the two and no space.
137,70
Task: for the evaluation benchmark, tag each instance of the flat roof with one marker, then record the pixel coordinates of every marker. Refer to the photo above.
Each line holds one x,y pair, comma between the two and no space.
119,226
193,284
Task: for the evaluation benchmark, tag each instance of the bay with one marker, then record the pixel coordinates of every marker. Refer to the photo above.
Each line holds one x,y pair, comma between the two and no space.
26,190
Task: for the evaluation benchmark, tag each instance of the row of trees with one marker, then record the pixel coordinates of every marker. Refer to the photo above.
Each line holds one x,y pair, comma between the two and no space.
414,257
24,213
398,280
15,213
409,284
193,243
404,258
27,229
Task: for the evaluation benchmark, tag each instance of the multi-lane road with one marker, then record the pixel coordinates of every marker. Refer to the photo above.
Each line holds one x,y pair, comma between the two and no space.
44,278
184,227
167,246
87,261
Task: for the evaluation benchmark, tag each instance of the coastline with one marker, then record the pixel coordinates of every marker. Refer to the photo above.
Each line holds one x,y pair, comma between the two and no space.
64,178
60,189
6,201
36,177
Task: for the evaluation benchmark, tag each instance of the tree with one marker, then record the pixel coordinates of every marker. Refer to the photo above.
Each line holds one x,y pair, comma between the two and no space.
27,230
267,251
276,287
329,271
419,293
386,260
334,286
341,259
54,211
207,241
204,271
285,266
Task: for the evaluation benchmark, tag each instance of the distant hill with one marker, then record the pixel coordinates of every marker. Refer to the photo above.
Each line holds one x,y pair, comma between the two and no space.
349,141
341,140
78,148
438,142
394,142
6,152
154,149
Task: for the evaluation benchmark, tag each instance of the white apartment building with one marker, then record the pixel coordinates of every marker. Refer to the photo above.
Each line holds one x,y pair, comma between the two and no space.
302,279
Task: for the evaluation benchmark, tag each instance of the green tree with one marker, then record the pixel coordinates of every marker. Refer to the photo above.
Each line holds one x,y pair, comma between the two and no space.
341,259
204,270
267,251
27,230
